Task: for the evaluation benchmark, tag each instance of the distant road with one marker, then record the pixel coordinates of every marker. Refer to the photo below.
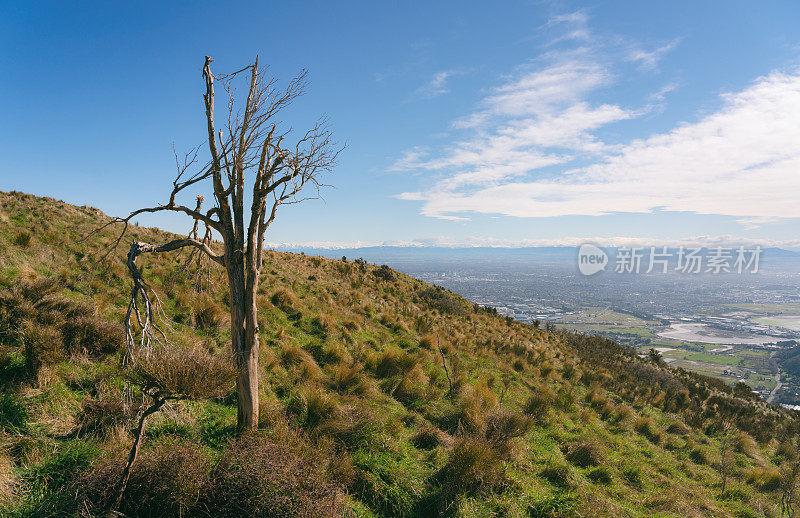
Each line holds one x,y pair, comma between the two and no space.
777,378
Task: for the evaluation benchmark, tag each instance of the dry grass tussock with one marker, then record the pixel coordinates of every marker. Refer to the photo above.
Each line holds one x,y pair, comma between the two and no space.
103,415
474,467
584,454
264,474
8,484
284,300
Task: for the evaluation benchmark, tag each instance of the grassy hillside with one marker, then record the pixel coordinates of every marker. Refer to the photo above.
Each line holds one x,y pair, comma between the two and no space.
359,415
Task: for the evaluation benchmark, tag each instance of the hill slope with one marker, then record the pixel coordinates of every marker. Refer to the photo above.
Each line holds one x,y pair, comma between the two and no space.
362,414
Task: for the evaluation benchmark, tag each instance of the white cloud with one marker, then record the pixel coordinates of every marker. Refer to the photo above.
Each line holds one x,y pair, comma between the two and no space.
437,85
661,94
742,160
648,60
576,25
541,91
536,119
411,159
534,147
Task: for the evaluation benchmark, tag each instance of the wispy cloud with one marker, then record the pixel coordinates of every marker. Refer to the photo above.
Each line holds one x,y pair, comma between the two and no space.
437,85
537,118
648,60
661,94
575,26
534,148
740,161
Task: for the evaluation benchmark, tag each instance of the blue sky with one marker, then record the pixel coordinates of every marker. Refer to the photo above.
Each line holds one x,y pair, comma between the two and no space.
518,123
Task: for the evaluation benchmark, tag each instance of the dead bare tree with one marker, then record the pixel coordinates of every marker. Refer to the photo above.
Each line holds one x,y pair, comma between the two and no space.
446,371
726,452
252,147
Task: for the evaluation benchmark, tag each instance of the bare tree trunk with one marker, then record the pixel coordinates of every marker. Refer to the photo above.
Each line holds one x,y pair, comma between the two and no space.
244,340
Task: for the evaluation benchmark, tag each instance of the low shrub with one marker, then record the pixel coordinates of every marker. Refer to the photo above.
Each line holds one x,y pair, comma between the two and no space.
259,477
438,298
167,480
384,273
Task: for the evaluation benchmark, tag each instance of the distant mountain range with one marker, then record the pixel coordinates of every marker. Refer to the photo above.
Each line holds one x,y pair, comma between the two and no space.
565,256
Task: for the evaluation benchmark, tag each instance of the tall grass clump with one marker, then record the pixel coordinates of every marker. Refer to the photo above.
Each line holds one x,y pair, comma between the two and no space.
92,335
540,403
584,454
284,300
646,426
474,467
